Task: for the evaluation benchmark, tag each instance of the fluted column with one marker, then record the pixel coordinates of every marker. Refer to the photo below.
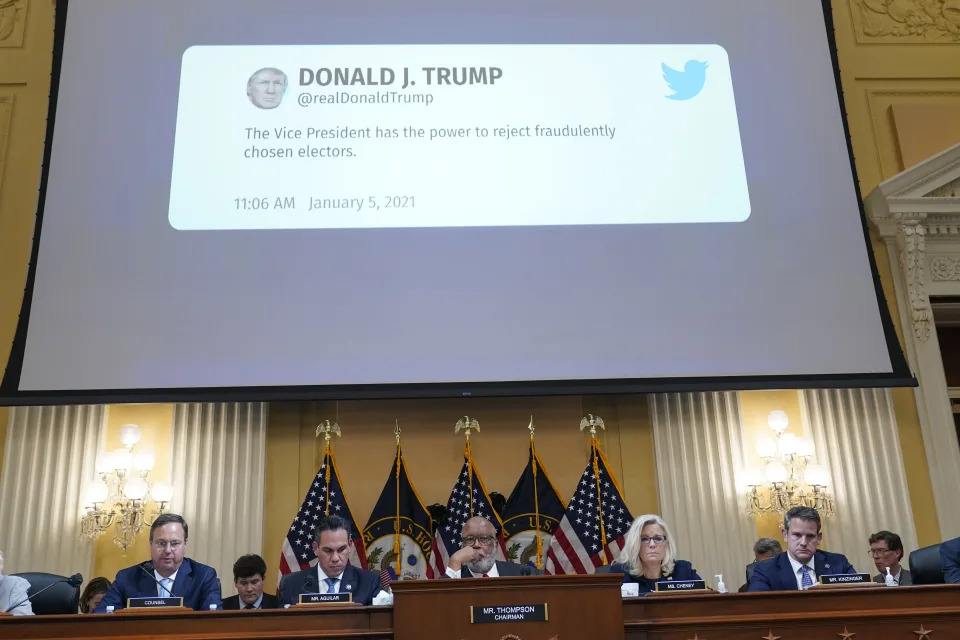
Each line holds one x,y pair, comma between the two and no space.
699,450
219,456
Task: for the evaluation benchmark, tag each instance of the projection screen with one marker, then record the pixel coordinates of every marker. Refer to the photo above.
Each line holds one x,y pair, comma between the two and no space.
305,199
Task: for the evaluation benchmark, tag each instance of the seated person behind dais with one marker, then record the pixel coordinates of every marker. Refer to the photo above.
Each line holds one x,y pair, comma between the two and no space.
476,557
172,574
649,555
248,574
800,566
13,591
333,573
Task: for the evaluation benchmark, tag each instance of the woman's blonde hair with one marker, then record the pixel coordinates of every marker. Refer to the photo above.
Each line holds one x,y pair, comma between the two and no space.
630,554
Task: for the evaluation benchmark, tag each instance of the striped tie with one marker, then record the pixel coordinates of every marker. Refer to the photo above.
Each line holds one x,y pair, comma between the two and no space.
805,580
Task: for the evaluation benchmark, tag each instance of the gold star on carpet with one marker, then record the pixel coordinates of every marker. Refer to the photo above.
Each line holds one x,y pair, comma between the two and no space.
770,636
846,635
923,633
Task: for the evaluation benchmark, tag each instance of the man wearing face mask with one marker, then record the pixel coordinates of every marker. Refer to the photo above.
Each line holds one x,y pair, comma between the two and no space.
168,574
476,556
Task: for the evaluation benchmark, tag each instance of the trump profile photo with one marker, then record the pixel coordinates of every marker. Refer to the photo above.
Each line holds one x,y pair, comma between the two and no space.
266,87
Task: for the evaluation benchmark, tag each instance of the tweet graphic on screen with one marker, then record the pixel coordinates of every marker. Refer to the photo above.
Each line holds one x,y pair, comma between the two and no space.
388,136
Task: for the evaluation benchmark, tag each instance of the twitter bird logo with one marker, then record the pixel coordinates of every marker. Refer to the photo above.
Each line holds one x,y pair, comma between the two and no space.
688,83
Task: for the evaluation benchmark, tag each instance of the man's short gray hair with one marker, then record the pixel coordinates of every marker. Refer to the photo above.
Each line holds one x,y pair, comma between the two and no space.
1,563
767,545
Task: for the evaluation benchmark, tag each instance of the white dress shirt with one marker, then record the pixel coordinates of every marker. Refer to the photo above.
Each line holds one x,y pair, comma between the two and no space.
798,573
173,578
492,573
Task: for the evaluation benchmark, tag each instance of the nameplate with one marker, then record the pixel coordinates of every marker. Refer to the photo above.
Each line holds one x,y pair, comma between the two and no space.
681,585
845,578
509,613
323,598
146,603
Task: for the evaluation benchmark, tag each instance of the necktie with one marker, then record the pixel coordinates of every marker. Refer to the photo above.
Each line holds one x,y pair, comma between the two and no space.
485,576
331,584
167,586
805,580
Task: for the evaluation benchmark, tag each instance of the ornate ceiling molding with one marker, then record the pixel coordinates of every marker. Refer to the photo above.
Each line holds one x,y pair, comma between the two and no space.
12,18
907,21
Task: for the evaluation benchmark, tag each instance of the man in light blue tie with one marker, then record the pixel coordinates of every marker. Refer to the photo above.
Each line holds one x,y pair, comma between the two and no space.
333,573
799,567
168,574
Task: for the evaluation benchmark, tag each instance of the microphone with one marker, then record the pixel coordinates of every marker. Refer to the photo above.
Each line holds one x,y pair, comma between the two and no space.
74,581
148,568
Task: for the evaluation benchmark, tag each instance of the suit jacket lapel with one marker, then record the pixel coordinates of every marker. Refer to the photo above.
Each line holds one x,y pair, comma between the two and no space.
146,585
310,585
184,579
786,572
820,564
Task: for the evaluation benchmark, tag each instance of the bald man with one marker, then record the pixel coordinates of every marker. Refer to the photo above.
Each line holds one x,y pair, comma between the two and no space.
477,555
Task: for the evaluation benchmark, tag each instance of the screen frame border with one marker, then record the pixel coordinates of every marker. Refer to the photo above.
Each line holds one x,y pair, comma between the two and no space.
11,395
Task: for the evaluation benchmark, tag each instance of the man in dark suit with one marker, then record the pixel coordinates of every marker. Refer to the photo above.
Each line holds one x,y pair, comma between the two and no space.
886,549
178,576
333,573
248,574
950,560
763,549
476,557
800,566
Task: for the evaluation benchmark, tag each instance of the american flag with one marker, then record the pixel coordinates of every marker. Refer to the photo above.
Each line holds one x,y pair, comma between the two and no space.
469,498
324,497
578,543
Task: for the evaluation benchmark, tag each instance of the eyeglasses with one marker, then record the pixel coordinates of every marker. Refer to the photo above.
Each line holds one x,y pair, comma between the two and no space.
878,552
469,541
657,540
163,544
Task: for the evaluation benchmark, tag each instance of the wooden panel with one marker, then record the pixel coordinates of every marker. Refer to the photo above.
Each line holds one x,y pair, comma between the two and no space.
441,608
864,613
879,613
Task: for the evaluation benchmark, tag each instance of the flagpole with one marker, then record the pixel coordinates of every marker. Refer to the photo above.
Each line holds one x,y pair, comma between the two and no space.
467,423
536,496
593,422
327,428
396,526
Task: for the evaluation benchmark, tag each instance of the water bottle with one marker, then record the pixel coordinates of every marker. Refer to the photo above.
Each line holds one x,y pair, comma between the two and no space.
721,588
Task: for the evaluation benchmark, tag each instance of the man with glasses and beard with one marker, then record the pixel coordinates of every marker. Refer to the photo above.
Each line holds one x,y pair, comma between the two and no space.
476,557
168,574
